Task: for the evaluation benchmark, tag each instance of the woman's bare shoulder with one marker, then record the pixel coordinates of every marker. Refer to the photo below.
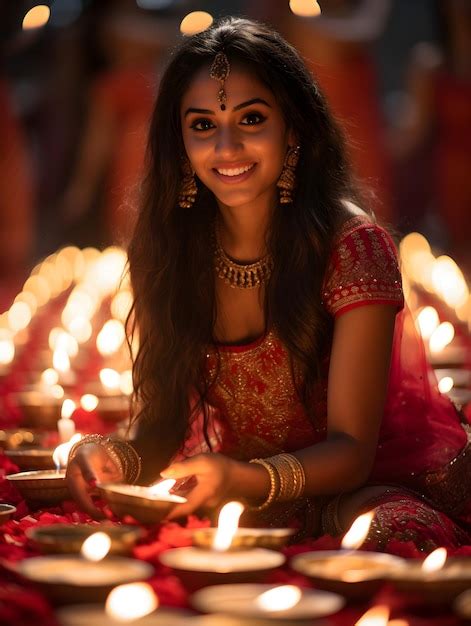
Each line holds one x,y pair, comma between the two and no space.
352,210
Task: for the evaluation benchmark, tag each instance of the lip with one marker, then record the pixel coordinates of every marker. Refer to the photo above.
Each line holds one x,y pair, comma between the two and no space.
230,180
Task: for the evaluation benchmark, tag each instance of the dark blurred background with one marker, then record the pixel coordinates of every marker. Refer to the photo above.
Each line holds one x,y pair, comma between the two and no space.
76,95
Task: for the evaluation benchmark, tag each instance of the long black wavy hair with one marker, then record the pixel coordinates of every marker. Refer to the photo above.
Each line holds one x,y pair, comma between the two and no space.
171,253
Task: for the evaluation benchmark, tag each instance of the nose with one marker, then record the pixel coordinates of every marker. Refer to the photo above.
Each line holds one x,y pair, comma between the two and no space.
228,143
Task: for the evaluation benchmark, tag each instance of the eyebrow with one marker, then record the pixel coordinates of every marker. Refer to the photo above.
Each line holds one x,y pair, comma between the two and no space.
236,108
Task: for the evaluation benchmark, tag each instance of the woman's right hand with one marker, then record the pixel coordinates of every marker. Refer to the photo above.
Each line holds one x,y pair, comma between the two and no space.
91,465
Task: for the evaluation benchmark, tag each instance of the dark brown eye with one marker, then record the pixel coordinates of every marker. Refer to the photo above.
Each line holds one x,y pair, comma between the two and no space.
202,125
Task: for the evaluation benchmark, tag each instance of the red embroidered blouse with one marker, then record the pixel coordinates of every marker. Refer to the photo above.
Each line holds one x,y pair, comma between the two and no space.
255,397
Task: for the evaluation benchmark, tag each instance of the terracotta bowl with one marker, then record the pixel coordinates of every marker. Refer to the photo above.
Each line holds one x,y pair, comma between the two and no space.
41,486
6,511
270,538
61,579
145,510
68,538
440,587
32,458
37,411
355,575
192,567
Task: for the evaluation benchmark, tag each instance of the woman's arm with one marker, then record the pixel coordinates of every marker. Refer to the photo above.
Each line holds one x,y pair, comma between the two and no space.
358,378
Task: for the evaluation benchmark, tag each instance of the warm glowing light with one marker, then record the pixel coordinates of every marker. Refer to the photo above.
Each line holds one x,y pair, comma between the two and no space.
279,598
110,378
29,299
377,616
80,303
125,383
449,281
50,377
162,488
126,603
105,273
121,305
445,384
7,348
427,321
80,328
36,17
441,337
358,531
61,361
89,402
110,338
228,523
195,22
435,560
59,339
60,456
19,316
56,391
305,8
463,312
68,408
38,286
96,547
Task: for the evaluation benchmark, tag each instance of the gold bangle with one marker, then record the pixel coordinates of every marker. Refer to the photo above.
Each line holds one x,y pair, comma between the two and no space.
291,474
274,485
123,455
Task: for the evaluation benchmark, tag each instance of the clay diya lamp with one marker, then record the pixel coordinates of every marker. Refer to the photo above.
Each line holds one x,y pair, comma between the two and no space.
41,487
39,410
32,458
6,511
88,577
270,538
436,580
349,571
199,567
284,603
149,505
133,602
69,538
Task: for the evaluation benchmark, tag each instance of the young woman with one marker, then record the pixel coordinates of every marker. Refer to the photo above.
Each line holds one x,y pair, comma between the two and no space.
271,363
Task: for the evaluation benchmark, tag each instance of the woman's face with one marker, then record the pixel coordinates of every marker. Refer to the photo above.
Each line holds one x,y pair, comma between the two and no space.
237,153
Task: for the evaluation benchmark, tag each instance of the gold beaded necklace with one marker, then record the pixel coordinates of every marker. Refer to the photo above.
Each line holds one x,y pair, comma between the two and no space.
240,275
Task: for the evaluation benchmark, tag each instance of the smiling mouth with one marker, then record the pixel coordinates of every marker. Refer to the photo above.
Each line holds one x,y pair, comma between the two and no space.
234,171
234,174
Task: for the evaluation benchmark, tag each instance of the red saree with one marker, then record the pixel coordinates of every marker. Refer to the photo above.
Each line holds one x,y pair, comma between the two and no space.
423,449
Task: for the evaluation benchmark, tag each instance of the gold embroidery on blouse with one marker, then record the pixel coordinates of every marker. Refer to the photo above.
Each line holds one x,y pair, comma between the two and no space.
256,395
360,276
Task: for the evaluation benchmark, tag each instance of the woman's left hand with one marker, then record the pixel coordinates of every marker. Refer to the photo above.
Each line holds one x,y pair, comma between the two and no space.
213,473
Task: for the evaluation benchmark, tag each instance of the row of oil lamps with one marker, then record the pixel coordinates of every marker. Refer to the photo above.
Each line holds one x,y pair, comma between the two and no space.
92,283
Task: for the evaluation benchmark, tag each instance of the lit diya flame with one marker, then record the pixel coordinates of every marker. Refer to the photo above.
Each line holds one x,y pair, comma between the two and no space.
162,488
435,561
96,547
377,616
280,598
60,455
358,531
126,603
228,522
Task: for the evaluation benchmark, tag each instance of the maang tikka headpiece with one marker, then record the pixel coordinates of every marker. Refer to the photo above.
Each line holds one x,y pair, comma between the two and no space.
219,70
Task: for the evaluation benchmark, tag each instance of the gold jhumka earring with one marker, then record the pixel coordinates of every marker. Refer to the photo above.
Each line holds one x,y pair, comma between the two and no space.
287,181
220,70
188,191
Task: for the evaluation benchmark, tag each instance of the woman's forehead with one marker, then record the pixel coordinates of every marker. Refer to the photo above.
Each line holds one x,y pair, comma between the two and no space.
240,86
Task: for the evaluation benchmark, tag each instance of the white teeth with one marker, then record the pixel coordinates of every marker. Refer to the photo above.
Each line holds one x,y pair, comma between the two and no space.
235,172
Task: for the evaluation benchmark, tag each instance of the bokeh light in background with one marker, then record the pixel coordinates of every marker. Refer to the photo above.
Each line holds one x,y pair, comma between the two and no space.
36,17
195,22
305,8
